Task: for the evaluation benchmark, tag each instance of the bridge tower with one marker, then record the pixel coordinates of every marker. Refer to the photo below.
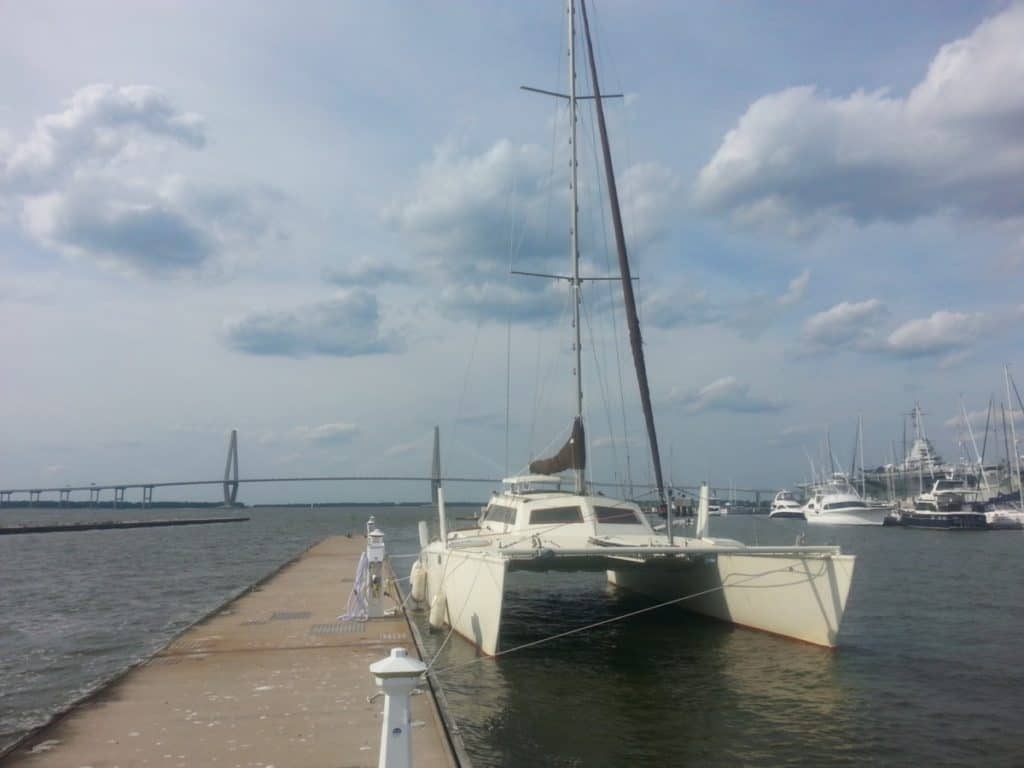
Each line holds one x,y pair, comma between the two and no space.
231,471
435,466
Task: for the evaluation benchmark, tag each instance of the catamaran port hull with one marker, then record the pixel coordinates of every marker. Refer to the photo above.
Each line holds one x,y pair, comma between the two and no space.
798,597
472,587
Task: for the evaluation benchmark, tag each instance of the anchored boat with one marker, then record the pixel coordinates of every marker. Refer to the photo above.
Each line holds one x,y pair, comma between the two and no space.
532,524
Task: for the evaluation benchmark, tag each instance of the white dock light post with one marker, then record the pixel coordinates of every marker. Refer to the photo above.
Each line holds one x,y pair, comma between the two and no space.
397,677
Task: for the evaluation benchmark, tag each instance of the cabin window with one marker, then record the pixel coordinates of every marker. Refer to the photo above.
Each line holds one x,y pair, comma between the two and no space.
497,513
845,504
556,515
616,516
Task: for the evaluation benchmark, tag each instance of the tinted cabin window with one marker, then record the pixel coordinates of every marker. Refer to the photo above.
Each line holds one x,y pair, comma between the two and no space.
499,514
556,515
848,504
616,516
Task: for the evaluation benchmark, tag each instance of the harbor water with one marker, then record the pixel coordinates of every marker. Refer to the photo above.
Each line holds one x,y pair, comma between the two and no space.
928,670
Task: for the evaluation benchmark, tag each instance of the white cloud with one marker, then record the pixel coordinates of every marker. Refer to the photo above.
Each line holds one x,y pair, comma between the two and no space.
675,307
472,216
847,323
329,433
798,156
98,123
796,290
939,333
369,274
724,394
346,325
80,184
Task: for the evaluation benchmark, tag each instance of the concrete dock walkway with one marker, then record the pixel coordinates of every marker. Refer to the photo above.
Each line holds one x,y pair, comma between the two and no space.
271,679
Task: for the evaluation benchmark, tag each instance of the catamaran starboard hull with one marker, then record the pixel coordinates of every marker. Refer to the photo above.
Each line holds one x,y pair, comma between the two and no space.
798,597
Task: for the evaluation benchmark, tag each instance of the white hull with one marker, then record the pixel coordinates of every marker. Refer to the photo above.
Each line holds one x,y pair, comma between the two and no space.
473,583
801,596
798,597
1005,520
865,516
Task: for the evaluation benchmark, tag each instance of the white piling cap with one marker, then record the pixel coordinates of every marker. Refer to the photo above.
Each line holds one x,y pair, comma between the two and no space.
398,664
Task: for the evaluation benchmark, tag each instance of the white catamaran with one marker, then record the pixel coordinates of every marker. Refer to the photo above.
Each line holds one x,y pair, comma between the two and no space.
535,525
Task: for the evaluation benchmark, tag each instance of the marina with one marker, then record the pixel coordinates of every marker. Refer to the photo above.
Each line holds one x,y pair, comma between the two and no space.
342,237
753,698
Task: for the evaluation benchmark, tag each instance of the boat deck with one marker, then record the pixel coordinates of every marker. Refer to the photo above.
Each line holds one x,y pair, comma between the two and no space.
272,678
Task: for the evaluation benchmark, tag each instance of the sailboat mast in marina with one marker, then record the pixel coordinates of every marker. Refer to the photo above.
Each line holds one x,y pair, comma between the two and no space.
533,525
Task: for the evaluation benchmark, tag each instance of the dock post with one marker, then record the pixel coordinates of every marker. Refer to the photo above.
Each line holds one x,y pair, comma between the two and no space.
397,677
375,553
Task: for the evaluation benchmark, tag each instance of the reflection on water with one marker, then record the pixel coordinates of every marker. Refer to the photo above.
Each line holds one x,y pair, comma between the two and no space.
622,693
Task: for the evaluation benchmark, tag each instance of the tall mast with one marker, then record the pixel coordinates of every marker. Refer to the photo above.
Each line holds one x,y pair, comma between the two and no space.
1015,469
1006,448
860,442
574,246
636,342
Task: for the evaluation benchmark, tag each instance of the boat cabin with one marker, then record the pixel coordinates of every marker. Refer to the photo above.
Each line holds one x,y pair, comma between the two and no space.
536,505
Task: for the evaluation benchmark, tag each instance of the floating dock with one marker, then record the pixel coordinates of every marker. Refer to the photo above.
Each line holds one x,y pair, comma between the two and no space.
273,678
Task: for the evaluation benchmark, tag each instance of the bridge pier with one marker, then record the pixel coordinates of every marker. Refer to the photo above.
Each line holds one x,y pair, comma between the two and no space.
94,496
5,498
65,497
147,495
33,497
435,466
231,471
118,496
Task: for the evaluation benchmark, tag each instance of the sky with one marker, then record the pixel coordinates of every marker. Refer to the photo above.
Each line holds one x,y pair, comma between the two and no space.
299,220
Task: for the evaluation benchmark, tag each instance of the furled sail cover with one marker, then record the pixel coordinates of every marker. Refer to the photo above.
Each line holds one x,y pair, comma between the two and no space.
573,455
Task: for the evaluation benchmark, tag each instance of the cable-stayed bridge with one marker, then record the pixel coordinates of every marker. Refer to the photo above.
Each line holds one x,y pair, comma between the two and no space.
231,481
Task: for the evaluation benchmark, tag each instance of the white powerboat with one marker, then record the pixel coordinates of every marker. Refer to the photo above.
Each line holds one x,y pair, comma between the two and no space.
533,525
786,504
838,503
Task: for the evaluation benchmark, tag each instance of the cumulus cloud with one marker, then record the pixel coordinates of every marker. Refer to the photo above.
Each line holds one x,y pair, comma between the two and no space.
471,216
724,394
946,336
800,156
80,184
502,302
122,225
796,290
98,123
845,324
346,325
136,228
938,334
332,434
676,306
369,275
